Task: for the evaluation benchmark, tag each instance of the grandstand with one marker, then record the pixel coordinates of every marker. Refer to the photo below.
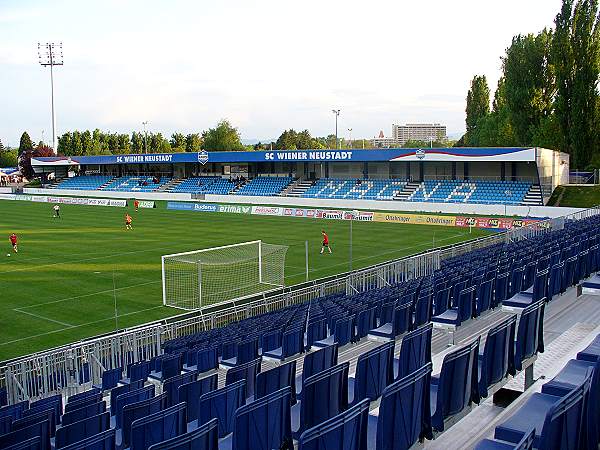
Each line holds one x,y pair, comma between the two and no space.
363,357
509,176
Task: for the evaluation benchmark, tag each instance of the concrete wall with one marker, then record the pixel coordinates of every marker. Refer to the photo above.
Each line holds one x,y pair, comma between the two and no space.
369,205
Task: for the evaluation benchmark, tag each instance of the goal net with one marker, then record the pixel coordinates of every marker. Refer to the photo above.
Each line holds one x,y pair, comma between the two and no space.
199,278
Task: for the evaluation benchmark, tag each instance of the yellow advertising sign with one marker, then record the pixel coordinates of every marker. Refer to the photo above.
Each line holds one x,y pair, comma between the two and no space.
415,219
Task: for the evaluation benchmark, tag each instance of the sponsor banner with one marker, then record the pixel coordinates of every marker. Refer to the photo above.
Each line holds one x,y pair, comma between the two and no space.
362,216
267,210
415,219
147,204
66,200
86,201
187,206
505,223
234,209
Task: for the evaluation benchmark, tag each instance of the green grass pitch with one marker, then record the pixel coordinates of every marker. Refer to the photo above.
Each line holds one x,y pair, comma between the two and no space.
59,287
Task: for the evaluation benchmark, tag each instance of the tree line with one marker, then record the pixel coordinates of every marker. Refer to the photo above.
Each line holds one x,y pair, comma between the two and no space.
547,95
222,136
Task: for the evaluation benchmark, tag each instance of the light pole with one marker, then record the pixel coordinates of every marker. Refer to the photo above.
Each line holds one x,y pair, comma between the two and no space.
350,140
145,137
50,54
337,114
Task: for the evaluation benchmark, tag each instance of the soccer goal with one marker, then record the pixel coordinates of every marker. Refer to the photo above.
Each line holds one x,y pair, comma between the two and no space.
199,278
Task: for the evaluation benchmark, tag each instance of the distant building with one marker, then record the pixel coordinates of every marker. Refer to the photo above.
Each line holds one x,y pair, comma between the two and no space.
383,142
418,132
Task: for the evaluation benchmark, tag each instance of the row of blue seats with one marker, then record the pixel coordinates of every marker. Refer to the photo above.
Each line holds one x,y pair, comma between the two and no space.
564,415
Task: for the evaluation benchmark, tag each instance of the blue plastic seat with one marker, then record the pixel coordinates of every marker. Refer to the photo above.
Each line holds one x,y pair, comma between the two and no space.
324,395
222,405
40,429
135,411
83,413
529,339
461,312
292,343
404,413
246,351
264,424
170,366
110,378
401,322
275,379
82,402
365,321
248,372
558,421
100,441
171,386
319,360
456,386
415,351
81,430
190,393
572,375
158,427
496,361
316,331
346,431
115,392
205,437
374,371
202,360
127,398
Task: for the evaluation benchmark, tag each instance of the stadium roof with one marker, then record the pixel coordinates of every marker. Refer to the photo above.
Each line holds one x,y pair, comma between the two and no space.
350,155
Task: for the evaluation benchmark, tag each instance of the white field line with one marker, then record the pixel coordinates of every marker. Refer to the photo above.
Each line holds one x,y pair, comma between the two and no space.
76,326
91,294
64,324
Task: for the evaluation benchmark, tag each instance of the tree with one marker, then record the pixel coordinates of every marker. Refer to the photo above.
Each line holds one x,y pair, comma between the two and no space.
178,142
87,145
8,158
478,103
528,83
1,146
223,137
137,142
193,142
25,144
24,159
575,54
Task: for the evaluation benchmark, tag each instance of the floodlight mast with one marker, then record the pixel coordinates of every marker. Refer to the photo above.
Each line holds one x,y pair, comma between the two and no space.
51,54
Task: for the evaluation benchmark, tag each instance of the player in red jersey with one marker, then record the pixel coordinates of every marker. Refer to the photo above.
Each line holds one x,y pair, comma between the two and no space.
128,222
13,242
136,204
325,242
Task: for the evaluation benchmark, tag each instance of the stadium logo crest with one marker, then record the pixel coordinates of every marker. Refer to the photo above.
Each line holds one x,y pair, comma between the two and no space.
420,153
203,157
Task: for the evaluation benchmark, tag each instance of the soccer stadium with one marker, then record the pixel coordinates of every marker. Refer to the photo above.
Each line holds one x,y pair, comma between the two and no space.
208,292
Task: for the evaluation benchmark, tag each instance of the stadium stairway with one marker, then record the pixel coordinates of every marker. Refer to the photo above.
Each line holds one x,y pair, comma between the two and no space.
405,194
533,196
297,188
170,185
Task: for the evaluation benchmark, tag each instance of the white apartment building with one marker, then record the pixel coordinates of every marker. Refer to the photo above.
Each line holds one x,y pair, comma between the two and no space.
418,132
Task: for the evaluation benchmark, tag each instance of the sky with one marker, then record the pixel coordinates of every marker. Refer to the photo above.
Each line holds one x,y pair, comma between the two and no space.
266,66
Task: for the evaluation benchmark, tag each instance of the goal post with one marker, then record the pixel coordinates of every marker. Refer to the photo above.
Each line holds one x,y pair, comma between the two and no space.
198,278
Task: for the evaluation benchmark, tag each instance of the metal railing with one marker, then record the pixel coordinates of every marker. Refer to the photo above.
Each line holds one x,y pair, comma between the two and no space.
71,368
